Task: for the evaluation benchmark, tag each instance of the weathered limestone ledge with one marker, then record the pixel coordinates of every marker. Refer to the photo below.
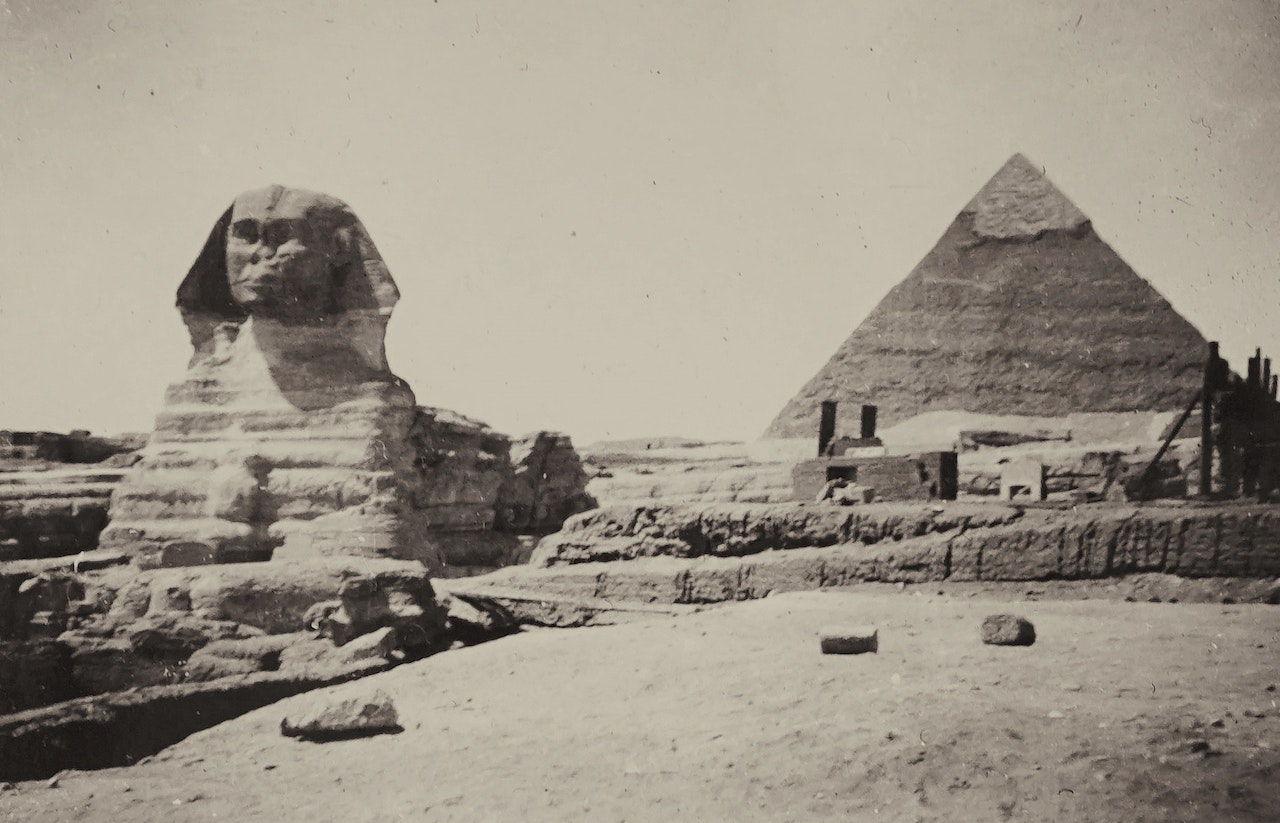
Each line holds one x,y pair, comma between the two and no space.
761,549
55,512
626,532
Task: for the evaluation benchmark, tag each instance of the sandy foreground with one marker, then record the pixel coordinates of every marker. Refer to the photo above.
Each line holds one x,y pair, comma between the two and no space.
1120,711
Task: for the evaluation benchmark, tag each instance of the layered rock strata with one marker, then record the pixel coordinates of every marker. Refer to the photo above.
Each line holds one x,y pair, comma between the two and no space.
288,435
1020,308
547,486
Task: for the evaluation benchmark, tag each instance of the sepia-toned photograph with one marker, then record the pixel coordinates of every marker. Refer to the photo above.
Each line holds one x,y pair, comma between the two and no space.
640,410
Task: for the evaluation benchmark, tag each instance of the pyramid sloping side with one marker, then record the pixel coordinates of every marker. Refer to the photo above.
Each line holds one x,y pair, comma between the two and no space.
1045,325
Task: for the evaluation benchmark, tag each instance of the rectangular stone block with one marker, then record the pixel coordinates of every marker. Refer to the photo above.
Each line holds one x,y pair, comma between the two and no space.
849,639
1024,479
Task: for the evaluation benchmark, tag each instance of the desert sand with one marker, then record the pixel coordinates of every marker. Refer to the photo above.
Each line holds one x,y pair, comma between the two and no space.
1120,711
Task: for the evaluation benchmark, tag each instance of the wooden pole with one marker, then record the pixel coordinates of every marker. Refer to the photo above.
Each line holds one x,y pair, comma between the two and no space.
1145,478
1206,423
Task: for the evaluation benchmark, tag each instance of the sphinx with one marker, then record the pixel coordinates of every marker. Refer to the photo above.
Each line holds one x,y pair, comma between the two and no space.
288,436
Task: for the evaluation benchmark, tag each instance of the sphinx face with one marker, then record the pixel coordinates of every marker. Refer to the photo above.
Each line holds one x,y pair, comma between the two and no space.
279,256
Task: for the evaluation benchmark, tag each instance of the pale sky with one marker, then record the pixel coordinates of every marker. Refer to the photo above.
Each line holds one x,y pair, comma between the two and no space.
614,218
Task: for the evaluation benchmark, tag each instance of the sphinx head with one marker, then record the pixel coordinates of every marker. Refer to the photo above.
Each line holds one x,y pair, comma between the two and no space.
290,255
285,255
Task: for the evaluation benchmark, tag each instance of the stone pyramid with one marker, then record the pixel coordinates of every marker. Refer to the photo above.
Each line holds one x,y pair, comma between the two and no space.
1020,308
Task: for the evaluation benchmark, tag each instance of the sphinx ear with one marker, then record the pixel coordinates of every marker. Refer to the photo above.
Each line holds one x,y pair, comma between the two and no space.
362,282
205,289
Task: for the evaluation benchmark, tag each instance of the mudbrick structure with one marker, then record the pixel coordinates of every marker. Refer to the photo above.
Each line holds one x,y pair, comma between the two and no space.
1020,308
861,462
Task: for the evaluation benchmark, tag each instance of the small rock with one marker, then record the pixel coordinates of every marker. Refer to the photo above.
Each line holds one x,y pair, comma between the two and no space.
377,643
7,787
325,718
1069,687
1255,713
53,781
1008,630
849,639
1218,723
1056,715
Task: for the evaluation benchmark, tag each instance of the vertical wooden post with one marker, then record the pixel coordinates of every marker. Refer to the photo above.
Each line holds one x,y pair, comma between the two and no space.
1246,429
1206,423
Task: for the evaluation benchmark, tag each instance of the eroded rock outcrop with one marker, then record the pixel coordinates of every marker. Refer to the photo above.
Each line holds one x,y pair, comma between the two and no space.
53,513
735,530
282,523
289,435
286,489
548,485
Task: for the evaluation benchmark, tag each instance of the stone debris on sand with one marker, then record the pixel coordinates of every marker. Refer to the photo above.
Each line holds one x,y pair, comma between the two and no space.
322,717
1008,630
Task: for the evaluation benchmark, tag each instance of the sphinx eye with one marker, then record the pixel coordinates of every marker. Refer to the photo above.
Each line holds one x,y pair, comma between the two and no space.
278,232
245,230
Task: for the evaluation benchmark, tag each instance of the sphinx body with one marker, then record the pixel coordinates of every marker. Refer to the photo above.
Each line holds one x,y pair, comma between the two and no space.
288,435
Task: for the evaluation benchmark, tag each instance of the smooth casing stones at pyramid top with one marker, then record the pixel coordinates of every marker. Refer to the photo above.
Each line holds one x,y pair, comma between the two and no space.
1019,309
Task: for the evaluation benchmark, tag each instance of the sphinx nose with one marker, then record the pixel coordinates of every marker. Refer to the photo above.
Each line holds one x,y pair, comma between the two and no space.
262,251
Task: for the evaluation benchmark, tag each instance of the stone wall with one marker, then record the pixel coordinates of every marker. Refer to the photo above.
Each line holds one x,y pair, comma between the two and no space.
960,542
628,532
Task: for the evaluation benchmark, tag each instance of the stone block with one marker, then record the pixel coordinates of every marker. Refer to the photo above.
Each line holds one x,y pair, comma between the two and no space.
849,639
1023,478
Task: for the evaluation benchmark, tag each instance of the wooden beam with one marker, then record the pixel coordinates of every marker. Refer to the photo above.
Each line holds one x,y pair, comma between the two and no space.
1206,422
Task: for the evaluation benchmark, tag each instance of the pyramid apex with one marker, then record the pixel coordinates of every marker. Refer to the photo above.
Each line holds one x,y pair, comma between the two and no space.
1020,202
1020,159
